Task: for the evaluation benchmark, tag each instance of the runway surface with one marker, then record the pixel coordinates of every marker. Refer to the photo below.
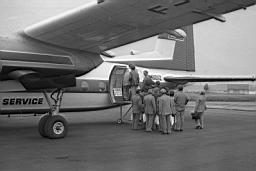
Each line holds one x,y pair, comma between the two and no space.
95,142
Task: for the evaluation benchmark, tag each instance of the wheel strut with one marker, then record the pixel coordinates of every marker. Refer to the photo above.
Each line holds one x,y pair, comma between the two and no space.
53,125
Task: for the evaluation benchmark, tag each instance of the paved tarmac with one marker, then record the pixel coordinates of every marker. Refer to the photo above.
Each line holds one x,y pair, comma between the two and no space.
241,106
95,142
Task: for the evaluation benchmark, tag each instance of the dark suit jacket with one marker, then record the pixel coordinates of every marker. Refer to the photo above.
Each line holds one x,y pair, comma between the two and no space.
147,82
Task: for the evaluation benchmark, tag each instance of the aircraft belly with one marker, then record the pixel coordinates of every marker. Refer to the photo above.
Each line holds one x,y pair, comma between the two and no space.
86,100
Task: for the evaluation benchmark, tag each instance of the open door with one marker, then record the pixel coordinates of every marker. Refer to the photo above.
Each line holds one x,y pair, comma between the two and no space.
116,84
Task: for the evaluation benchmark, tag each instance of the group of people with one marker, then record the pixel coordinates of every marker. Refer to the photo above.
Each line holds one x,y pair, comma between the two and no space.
158,106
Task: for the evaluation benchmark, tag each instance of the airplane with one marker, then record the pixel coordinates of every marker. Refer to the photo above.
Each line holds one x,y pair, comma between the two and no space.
71,53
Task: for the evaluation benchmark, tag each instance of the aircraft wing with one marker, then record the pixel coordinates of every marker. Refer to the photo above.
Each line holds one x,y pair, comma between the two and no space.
105,24
187,79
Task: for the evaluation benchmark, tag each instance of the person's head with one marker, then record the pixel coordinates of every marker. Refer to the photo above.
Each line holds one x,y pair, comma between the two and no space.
171,92
138,91
132,67
146,89
156,90
157,83
167,89
150,91
180,87
163,91
145,72
202,93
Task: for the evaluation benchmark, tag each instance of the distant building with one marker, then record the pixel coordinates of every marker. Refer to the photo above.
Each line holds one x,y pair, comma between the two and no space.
238,88
221,88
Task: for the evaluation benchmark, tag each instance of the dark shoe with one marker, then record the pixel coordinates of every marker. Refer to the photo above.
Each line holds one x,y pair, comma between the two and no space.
181,129
201,127
197,127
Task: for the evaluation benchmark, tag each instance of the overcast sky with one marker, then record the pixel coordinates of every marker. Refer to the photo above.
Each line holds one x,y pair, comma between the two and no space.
220,48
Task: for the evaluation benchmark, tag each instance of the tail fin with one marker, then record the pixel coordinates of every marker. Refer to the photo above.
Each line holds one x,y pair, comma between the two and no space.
170,53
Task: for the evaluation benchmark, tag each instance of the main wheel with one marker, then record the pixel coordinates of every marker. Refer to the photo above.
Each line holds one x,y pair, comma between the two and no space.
41,124
56,127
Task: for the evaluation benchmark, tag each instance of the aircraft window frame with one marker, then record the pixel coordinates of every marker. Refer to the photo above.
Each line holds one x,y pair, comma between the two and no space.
85,86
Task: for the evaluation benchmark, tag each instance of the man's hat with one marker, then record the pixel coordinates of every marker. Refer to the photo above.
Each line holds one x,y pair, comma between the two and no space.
180,87
138,91
163,91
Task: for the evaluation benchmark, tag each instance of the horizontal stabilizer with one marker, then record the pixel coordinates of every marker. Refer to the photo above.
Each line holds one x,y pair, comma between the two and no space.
206,79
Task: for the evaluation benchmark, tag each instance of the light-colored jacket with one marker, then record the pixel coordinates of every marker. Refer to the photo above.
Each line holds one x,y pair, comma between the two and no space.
180,99
149,104
135,78
173,106
164,105
126,78
200,104
136,104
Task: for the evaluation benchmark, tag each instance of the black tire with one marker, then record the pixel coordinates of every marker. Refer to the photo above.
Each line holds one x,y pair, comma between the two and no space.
119,121
56,127
41,124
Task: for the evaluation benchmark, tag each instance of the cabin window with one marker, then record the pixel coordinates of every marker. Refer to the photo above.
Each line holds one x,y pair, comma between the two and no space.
102,86
85,86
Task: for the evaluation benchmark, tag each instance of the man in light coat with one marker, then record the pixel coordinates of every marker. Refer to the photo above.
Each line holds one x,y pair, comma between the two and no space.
200,107
126,85
149,109
165,111
180,99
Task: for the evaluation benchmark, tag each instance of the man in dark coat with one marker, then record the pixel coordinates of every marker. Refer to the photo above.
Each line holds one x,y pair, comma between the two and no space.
134,79
147,81
137,109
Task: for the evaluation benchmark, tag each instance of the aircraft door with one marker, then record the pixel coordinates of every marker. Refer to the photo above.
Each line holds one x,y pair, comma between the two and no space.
116,84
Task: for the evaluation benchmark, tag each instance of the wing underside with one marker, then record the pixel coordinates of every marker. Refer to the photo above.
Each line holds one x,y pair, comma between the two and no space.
106,24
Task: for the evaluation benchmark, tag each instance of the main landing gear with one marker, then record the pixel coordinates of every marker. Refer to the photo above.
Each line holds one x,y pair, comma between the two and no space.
53,125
